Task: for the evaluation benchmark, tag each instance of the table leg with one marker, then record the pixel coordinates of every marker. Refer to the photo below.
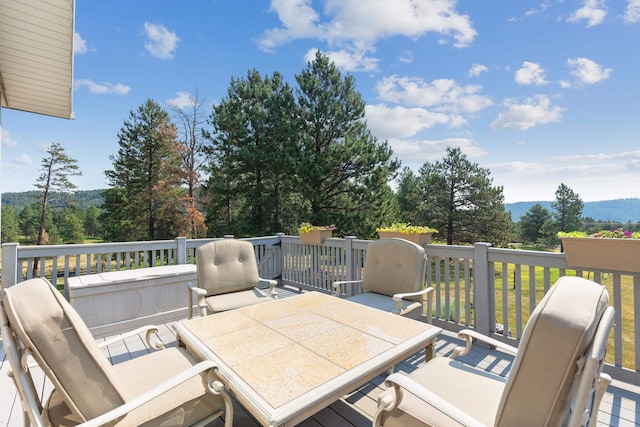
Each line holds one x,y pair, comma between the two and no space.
430,350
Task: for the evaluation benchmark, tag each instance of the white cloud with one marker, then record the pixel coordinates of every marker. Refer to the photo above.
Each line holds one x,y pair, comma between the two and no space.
101,88
592,11
632,13
520,167
598,157
543,6
406,57
476,70
530,74
79,44
22,160
420,151
161,42
7,141
400,122
590,175
535,111
347,60
181,101
588,71
565,84
444,95
354,26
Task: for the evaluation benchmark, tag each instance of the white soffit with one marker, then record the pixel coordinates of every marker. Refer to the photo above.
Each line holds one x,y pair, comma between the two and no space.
36,56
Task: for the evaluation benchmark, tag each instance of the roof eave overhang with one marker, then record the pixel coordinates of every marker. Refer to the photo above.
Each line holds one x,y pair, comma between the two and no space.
36,56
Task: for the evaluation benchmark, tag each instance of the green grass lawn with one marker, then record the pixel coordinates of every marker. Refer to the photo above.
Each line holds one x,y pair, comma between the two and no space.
625,296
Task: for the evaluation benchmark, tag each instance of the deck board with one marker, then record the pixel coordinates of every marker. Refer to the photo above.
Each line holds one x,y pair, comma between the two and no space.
620,406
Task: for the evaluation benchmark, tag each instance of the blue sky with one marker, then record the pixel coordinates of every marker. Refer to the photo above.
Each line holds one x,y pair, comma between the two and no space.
538,92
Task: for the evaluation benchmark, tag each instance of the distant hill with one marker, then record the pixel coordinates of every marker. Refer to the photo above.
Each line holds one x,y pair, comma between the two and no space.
20,200
620,210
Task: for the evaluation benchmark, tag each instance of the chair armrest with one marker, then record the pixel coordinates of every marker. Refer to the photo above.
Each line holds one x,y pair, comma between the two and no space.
214,387
157,344
398,297
272,286
400,381
469,335
337,286
426,291
200,295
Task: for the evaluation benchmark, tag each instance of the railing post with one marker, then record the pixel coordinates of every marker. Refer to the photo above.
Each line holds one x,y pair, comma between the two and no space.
9,264
181,250
348,247
279,257
483,304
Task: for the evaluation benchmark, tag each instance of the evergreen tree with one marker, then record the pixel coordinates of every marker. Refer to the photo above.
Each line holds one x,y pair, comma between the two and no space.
531,223
459,200
146,200
10,225
115,222
409,196
92,221
567,209
383,210
57,167
28,221
548,234
344,169
69,226
253,154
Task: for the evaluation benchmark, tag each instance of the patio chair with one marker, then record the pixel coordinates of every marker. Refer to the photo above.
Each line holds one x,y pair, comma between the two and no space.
555,379
227,274
393,279
162,388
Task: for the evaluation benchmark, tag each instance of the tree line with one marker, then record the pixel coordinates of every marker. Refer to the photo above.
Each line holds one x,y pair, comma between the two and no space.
266,158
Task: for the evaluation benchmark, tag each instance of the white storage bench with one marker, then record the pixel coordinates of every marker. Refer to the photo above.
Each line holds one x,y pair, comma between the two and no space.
119,301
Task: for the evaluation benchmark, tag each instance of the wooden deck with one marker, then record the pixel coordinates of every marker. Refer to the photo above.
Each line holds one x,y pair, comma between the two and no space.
620,407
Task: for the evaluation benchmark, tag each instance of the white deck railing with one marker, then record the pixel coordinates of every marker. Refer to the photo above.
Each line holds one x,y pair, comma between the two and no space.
492,290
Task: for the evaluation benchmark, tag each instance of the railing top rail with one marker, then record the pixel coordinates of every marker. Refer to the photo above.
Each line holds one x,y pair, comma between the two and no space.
92,248
452,251
522,256
336,242
265,240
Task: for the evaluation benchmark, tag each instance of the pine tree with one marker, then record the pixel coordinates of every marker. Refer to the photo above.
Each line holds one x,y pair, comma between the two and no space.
344,168
531,224
567,209
57,167
253,152
460,201
146,199
10,227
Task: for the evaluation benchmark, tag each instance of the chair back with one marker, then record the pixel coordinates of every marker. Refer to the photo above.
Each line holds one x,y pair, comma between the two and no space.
225,266
394,266
554,348
60,342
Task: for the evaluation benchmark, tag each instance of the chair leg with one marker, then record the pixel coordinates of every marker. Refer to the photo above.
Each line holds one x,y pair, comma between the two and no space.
603,382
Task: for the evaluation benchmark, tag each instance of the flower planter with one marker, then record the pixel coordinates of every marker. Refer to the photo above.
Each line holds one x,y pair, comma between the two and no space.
315,237
602,253
418,238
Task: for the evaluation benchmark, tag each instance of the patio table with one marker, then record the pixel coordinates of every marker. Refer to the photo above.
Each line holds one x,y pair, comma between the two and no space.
285,360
